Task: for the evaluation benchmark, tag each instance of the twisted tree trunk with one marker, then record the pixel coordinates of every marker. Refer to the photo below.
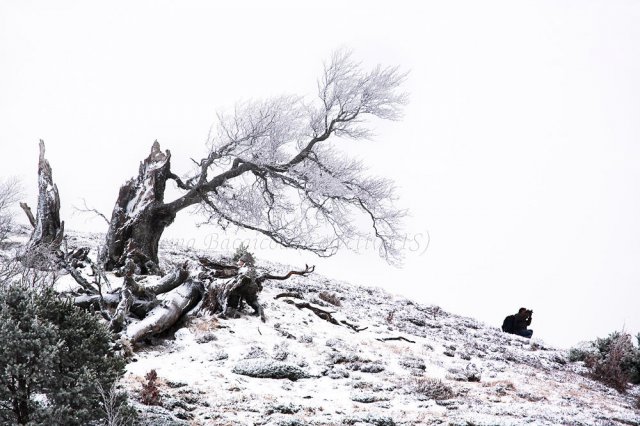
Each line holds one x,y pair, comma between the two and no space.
140,216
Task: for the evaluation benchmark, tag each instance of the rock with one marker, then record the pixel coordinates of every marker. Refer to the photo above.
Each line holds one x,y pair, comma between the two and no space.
269,369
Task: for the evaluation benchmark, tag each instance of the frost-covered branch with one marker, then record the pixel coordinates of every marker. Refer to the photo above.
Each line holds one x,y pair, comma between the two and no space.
274,167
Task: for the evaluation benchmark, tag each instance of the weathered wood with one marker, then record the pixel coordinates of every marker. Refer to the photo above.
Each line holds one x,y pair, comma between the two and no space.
165,315
307,270
140,308
29,213
87,301
77,276
212,264
226,297
325,315
354,327
140,216
119,318
170,281
293,294
48,229
144,299
385,339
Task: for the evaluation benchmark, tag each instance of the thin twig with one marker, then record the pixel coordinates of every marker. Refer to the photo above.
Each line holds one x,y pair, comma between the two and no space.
88,209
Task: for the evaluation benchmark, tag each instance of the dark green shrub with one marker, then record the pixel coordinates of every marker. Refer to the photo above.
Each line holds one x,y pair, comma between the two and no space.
580,354
54,359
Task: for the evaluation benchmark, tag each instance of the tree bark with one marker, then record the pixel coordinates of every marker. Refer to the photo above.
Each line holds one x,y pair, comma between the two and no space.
162,317
48,228
131,298
140,216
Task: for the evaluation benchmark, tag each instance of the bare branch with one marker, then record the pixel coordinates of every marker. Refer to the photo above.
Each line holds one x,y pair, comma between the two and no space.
307,270
87,209
27,210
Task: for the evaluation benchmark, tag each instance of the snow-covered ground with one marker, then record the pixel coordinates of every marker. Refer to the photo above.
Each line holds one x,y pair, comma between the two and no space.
484,376
450,369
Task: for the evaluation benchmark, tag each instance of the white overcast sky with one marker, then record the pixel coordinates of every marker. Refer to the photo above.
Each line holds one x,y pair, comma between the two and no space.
519,154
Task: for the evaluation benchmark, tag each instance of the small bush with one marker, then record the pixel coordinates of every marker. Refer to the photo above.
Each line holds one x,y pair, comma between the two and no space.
330,298
150,392
431,388
610,369
613,360
390,316
116,413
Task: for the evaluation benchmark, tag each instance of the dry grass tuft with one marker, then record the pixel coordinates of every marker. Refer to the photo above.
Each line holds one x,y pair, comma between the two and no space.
431,388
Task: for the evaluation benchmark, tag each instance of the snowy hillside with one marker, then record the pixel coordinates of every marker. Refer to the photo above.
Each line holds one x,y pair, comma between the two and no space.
409,364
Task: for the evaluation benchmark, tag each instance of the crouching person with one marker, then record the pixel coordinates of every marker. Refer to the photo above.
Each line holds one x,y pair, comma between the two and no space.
518,323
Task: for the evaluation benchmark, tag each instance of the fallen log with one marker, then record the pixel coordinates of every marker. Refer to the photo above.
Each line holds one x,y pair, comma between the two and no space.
170,281
167,313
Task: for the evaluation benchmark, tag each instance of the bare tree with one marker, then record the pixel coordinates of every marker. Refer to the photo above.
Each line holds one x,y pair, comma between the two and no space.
275,167
10,191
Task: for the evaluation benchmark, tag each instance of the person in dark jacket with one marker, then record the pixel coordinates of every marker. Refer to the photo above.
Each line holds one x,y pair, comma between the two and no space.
521,321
